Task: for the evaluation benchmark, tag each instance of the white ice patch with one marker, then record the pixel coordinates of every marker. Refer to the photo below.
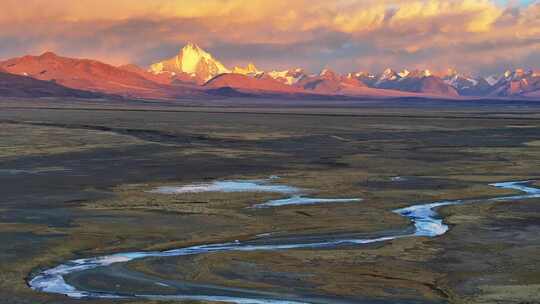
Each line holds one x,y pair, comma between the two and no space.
519,186
300,200
425,218
254,186
228,186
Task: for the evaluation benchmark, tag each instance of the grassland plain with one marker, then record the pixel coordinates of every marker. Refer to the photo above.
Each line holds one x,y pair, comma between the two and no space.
75,184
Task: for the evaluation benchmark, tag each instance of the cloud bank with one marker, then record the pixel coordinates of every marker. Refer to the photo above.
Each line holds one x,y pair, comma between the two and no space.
476,36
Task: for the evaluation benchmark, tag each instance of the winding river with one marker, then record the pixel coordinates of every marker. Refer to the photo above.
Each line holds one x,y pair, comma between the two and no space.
424,217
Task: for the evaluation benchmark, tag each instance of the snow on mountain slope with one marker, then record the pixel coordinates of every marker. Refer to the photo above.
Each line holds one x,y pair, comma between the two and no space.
193,61
250,70
329,82
515,83
289,77
417,81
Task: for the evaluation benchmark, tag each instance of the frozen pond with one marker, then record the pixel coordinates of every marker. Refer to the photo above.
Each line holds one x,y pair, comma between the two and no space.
227,187
297,195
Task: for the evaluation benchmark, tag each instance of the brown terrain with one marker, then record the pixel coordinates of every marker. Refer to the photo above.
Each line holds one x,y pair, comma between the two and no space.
92,75
22,86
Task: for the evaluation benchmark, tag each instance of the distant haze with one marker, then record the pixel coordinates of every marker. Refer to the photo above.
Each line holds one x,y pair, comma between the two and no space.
473,36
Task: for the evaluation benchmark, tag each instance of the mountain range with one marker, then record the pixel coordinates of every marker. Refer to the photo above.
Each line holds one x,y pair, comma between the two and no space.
195,73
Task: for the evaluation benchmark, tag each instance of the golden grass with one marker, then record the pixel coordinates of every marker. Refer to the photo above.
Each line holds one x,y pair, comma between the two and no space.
24,140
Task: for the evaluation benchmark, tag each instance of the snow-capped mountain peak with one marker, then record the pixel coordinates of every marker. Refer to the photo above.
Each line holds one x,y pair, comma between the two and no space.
191,60
363,74
388,71
415,74
326,72
289,77
193,55
388,74
404,73
250,70
459,81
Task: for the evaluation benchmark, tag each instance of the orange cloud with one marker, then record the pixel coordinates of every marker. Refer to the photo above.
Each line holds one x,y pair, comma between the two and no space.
279,32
